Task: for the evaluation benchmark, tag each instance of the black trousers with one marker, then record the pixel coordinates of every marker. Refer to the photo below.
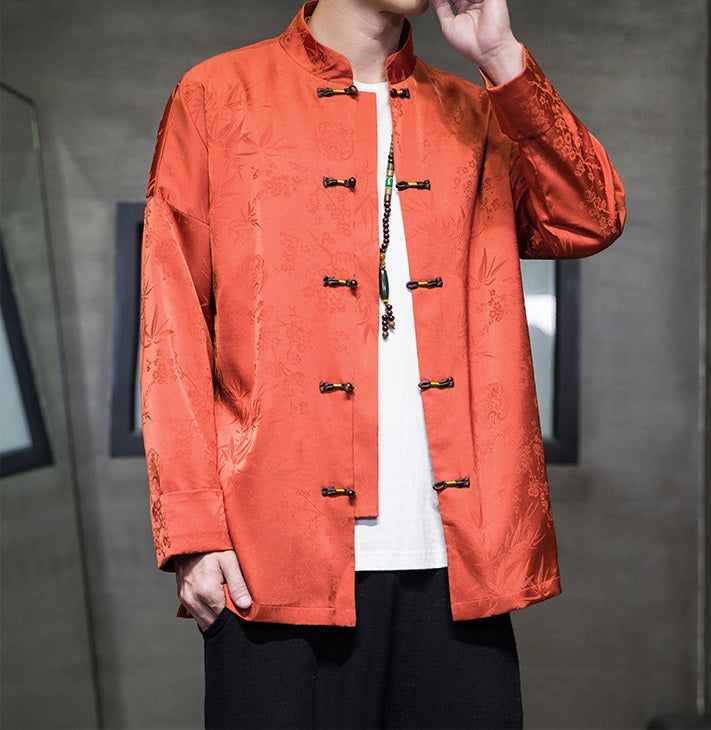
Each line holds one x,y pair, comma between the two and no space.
406,664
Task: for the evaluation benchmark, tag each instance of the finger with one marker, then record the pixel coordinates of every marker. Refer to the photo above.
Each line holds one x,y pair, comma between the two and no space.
204,615
235,580
202,609
197,599
199,582
444,10
461,6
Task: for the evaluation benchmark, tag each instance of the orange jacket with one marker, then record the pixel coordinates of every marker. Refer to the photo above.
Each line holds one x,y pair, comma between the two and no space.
239,329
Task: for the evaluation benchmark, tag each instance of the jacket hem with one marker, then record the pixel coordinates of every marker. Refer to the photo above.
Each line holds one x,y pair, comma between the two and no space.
297,615
342,616
493,605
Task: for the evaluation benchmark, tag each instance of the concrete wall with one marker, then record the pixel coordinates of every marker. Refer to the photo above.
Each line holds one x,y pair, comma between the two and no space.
620,646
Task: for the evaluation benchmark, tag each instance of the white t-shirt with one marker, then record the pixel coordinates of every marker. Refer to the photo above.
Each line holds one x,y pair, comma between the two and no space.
407,533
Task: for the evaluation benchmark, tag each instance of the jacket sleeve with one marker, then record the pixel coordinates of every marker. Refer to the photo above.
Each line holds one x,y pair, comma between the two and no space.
568,198
177,389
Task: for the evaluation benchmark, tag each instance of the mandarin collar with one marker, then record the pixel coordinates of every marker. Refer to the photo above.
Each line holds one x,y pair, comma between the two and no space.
330,65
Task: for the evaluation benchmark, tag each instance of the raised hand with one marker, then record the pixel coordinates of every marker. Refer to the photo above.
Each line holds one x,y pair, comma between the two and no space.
481,31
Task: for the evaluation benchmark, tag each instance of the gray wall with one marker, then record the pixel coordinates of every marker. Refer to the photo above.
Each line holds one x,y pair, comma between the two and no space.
620,645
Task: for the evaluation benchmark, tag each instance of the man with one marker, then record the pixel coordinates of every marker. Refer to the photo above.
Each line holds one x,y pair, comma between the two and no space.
339,407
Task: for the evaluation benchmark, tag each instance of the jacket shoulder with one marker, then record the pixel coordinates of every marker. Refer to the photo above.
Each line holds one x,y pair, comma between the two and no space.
230,64
457,97
448,84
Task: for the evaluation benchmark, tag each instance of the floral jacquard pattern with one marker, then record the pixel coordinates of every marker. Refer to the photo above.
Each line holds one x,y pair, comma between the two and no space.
582,183
161,538
335,140
493,405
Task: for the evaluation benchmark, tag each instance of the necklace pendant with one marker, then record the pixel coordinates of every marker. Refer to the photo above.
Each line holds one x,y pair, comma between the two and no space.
384,285
388,319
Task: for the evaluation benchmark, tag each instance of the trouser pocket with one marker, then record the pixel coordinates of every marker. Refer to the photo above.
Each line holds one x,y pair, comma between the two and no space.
216,626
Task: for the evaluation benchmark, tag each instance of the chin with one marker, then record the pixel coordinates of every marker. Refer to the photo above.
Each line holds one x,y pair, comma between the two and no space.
404,7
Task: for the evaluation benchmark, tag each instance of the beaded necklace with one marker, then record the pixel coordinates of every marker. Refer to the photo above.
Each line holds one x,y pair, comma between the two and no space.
388,319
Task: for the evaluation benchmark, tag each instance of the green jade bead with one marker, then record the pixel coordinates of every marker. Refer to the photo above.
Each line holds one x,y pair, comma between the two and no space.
384,285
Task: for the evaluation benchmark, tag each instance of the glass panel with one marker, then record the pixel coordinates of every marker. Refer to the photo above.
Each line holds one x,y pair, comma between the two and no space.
14,429
540,294
137,420
126,430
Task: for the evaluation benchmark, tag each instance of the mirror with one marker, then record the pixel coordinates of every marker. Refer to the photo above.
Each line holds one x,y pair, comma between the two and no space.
47,665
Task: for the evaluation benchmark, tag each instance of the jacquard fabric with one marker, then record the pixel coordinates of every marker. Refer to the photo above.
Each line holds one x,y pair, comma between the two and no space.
238,329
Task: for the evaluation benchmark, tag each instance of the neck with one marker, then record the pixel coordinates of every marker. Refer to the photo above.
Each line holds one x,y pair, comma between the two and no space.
365,36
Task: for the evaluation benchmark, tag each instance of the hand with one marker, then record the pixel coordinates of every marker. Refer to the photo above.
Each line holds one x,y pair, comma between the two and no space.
200,578
481,31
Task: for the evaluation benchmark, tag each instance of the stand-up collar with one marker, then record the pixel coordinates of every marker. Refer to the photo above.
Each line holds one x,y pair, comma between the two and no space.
330,65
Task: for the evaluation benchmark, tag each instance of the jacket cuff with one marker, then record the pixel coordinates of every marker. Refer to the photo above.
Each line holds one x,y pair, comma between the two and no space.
525,106
189,522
